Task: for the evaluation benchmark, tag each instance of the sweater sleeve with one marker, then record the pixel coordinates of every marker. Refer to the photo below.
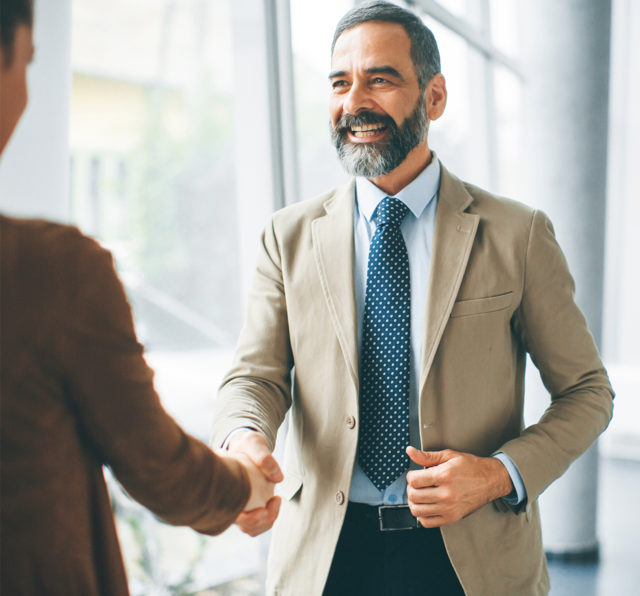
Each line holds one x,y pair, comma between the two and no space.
120,416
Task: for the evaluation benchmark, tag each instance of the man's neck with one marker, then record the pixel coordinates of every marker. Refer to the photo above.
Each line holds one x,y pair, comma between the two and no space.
415,162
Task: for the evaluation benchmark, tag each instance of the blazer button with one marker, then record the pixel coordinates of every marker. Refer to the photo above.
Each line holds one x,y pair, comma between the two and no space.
351,421
340,497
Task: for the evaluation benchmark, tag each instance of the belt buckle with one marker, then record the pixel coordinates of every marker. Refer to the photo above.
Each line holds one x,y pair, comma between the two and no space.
404,525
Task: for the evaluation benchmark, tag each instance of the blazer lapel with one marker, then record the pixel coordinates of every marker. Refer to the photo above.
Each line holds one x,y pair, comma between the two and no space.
333,253
454,233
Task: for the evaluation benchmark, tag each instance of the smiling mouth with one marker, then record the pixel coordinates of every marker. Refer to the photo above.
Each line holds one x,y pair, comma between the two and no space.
367,130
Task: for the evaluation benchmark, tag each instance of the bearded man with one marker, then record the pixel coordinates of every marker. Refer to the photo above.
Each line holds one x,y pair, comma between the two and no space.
406,301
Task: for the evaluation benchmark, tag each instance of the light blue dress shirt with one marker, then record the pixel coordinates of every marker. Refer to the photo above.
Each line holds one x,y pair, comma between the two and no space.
421,197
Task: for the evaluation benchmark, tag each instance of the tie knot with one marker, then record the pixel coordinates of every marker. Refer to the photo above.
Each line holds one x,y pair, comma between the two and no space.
390,211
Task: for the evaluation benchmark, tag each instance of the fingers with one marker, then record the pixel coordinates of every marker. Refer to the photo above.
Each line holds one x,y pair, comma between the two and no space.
424,495
259,520
452,489
270,468
261,487
417,479
434,507
437,509
429,458
434,521
255,446
262,508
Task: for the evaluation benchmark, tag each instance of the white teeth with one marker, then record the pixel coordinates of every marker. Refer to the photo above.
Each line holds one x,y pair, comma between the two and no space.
366,130
367,127
367,133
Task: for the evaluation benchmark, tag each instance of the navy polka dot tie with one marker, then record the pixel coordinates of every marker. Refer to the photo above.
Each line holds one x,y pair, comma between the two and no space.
385,351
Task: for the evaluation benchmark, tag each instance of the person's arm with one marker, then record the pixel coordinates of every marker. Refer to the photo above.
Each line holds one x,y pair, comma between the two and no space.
256,393
118,411
553,330
555,333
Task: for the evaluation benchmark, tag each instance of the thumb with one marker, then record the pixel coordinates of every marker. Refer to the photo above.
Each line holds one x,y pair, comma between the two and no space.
273,506
427,459
270,467
260,453
256,446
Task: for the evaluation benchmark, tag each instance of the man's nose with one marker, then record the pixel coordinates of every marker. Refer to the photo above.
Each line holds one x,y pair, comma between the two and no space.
358,99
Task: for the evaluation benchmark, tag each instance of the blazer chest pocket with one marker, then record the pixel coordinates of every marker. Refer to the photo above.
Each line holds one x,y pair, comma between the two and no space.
478,306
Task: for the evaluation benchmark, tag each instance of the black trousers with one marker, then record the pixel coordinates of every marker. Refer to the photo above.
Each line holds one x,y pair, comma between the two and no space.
398,563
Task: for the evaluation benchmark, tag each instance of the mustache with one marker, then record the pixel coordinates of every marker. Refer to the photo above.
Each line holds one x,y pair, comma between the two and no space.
347,121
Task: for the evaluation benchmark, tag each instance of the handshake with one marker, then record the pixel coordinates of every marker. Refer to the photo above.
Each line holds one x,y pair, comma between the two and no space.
250,448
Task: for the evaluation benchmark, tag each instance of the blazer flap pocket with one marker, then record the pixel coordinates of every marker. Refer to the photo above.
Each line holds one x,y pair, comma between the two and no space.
290,486
476,306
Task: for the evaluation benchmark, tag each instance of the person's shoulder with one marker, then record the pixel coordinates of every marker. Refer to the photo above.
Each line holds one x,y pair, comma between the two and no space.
494,204
309,209
44,234
460,194
499,217
59,249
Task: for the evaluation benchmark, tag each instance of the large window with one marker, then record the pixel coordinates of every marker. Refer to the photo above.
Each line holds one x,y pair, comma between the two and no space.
153,177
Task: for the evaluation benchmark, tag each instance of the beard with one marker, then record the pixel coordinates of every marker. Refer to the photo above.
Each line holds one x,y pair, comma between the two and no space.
371,160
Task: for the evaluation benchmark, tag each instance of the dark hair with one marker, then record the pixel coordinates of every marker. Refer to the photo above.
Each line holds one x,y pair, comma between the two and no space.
12,14
424,49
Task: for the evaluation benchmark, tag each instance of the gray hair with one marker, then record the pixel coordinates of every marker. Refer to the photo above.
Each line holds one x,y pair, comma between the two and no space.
424,49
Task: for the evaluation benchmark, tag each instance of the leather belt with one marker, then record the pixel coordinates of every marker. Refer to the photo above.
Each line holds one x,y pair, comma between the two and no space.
396,517
389,518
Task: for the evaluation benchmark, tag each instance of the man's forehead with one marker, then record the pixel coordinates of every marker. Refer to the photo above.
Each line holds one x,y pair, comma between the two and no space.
374,42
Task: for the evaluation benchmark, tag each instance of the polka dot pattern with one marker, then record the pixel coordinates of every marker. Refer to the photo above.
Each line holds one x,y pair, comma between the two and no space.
385,350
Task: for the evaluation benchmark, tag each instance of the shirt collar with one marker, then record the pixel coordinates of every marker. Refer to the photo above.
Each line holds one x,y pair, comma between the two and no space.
416,195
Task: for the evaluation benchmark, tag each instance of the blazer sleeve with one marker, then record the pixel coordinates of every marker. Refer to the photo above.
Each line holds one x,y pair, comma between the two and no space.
256,392
119,413
554,332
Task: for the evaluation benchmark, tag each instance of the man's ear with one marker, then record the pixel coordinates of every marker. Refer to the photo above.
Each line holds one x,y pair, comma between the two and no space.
436,97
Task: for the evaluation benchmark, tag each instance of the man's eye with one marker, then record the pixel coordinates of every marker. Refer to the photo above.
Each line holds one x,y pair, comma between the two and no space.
336,84
379,80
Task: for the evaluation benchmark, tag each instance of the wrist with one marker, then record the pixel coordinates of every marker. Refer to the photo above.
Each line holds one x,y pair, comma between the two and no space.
502,484
237,436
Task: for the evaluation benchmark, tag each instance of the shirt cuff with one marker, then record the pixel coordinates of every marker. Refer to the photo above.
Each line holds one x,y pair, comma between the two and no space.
519,494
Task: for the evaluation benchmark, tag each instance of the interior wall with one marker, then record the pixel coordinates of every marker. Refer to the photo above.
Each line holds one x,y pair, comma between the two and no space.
34,168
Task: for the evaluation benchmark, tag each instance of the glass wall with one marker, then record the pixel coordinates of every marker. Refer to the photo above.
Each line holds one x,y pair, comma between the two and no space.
153,178
312,32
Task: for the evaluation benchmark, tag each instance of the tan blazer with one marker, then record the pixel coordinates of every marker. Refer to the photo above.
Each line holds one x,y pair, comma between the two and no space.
499,288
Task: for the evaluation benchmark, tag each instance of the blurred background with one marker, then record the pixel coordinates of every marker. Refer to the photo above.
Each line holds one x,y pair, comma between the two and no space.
171,129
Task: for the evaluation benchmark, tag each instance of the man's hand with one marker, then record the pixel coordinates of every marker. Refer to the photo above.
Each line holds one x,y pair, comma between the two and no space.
261,488
453,484
259,520
253,445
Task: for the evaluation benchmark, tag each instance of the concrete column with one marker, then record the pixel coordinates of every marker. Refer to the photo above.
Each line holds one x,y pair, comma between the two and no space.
34,168
566,57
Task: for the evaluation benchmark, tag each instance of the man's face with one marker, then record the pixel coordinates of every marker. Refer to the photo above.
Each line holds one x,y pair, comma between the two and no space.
378,113
13,82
